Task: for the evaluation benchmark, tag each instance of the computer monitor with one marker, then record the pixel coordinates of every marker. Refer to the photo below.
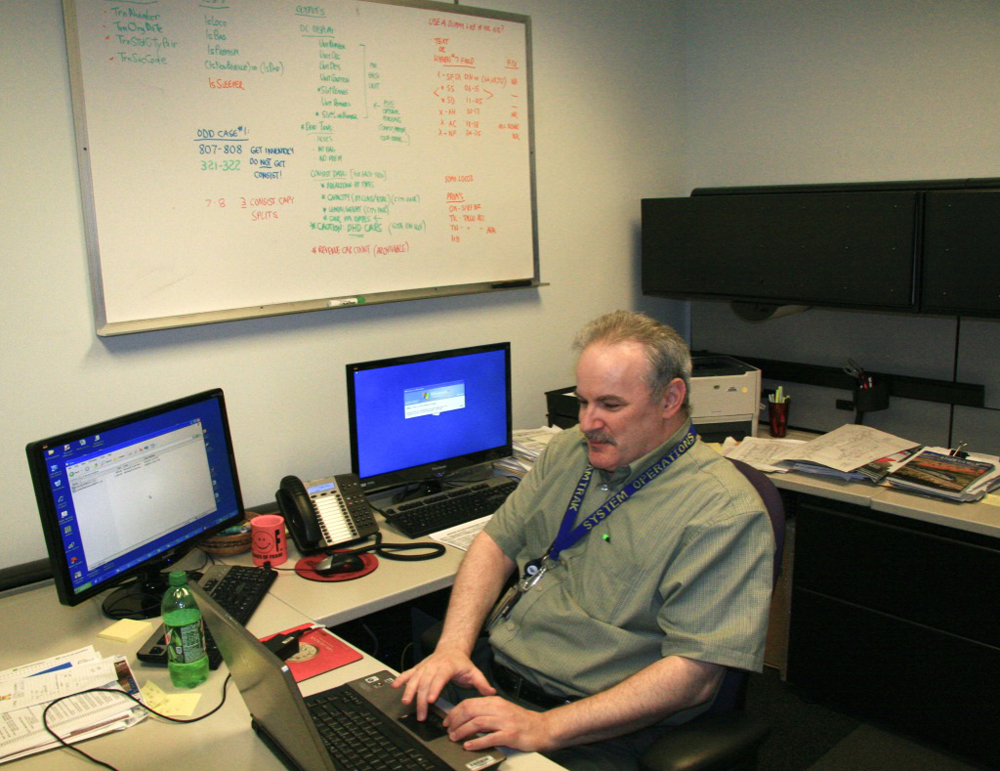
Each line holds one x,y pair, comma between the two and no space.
420,418
126,497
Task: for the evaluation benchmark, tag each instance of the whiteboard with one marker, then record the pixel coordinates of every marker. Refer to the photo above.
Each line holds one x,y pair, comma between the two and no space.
243,158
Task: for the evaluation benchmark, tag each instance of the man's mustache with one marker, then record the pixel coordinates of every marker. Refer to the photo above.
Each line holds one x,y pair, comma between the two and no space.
598,436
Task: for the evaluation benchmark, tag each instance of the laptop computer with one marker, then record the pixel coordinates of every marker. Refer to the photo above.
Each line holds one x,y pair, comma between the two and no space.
293,726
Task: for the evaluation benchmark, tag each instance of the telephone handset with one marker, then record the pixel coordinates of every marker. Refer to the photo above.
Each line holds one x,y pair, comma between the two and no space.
330,512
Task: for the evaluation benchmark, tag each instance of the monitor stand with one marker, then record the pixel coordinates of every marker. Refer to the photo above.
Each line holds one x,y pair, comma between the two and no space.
427,487
138,599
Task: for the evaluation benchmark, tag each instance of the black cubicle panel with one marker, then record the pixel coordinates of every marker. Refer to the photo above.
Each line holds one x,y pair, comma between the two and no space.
961,260
838,248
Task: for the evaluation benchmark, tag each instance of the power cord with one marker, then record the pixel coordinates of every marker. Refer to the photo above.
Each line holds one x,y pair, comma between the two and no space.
101,763
149,608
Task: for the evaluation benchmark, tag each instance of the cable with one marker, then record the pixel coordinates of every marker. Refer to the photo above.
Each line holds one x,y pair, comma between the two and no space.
151,600
954,379
402,656
67,745
391,550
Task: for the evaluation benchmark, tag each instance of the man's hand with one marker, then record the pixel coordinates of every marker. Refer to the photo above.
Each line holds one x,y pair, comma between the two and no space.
426,680
502,723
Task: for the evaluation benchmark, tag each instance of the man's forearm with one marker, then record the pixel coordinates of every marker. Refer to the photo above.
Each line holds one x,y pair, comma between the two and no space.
670,685
480,578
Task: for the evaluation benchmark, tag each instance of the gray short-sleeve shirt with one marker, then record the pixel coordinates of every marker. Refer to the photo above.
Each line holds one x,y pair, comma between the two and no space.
681,568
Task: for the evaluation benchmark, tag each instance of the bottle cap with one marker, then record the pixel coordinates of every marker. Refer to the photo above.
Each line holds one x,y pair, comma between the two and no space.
178,578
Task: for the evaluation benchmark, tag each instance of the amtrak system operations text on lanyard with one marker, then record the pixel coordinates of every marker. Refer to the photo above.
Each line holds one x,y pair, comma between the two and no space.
570,533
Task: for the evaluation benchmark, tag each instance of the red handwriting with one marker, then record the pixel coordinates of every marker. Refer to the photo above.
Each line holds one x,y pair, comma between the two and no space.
220,83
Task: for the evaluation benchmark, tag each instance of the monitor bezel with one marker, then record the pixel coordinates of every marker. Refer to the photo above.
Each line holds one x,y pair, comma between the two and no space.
427,474
49,515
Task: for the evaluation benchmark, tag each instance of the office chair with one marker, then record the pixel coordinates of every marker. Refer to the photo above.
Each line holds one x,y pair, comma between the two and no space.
724,738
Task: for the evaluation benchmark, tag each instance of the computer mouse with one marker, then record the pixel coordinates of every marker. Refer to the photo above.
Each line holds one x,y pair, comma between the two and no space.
339,562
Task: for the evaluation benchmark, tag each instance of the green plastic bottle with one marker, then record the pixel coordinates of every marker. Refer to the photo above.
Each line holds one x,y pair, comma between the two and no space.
186,656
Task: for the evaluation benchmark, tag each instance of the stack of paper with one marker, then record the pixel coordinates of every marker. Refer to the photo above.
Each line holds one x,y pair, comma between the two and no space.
528,445
841,453
25,691
935,471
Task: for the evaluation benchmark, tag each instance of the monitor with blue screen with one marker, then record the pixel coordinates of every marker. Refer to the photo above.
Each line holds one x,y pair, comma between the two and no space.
126,497
420,418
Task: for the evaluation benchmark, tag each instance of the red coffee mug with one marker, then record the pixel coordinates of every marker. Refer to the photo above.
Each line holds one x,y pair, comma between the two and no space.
268,539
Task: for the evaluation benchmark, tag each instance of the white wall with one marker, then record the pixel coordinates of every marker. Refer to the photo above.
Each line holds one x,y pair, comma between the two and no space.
608,80
812,91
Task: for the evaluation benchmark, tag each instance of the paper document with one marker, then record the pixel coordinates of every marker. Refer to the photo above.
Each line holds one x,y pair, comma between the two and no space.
56,662
848,447
26,691
764,454
530,442
460,536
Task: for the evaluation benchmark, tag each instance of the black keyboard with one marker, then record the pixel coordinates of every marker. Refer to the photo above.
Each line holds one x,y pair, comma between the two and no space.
237,588
454,507
361,738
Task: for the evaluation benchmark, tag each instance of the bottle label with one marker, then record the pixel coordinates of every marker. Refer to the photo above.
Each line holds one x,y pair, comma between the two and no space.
185,643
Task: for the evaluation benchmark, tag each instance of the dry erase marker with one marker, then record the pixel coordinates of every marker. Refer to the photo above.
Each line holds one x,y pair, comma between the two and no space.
344,301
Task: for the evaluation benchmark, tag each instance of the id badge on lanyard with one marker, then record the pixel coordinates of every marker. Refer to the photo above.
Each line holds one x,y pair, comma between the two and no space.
568,535
532,575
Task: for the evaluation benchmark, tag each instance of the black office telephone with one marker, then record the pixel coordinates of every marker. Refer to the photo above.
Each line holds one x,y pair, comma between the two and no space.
326,513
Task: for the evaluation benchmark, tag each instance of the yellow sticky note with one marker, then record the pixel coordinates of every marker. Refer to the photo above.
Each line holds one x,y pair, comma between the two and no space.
173,704
125,630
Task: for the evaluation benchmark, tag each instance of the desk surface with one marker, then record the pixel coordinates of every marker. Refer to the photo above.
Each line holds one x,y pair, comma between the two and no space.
980,517
393,582
33,626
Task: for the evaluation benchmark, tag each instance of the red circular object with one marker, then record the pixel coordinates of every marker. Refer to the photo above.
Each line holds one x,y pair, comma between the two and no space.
304,568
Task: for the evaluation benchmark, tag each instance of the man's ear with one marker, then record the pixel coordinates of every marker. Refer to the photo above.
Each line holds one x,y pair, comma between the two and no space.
673,398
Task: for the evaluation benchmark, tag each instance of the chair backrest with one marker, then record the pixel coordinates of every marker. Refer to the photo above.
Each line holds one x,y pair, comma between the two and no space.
732,690
772,502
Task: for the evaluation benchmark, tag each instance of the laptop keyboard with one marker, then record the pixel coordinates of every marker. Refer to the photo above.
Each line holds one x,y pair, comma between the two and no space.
359,737
455,507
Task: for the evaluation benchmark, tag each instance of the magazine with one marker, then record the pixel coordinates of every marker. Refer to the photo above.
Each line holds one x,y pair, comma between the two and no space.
945,475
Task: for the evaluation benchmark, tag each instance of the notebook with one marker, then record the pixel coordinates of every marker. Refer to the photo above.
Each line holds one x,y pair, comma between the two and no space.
291,724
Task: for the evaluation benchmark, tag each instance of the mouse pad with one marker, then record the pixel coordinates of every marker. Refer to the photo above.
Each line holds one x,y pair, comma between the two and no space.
304,568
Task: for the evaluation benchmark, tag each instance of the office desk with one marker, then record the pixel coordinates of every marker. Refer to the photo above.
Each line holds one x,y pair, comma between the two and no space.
393,582
894,608
835,649
33,626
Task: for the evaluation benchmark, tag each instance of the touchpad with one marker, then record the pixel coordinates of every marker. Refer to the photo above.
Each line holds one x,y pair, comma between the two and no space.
427,730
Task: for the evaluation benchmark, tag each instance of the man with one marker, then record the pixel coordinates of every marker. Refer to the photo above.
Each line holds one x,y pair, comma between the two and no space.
657,572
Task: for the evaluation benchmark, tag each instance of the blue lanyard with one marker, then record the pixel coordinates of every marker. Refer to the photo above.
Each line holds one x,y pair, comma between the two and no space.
569,534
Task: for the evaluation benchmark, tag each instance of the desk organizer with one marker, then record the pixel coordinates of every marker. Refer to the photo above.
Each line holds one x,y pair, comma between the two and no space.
226,543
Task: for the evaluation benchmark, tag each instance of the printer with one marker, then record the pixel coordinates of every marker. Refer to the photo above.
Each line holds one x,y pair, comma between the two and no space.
725,397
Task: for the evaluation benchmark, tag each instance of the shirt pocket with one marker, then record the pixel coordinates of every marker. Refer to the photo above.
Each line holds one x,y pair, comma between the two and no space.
616,593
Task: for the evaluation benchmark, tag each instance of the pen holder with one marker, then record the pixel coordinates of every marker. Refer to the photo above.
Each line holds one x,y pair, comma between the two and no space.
777,415
872,399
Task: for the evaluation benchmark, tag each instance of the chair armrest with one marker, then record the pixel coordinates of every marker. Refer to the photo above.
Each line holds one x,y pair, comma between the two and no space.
711,742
